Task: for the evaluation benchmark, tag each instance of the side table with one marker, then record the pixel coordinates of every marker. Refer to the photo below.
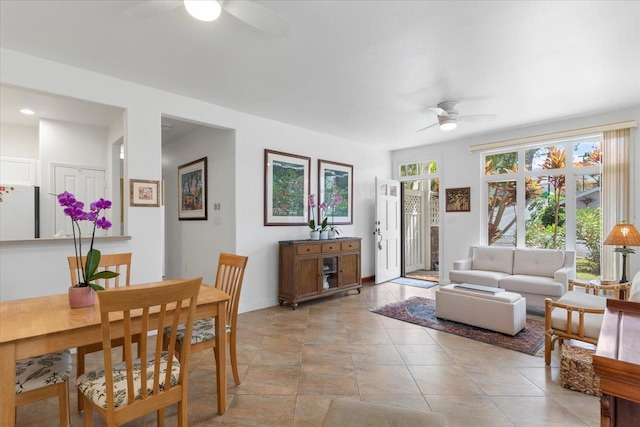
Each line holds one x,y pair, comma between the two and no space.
597,283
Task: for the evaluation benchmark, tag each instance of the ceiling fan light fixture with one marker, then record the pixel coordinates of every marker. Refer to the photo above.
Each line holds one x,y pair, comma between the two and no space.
448,124
203,10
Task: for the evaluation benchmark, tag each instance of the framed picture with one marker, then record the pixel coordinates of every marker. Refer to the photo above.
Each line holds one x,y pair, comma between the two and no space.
192,188
286,186
458,199
144,193
335,188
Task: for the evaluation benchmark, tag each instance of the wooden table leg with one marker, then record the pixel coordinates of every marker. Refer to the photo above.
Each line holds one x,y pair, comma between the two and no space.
221,361
8,384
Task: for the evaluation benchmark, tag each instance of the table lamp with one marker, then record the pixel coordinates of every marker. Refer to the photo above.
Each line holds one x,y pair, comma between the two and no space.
624,235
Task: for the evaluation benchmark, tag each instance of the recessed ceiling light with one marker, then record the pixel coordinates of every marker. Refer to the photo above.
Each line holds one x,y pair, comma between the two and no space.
27,111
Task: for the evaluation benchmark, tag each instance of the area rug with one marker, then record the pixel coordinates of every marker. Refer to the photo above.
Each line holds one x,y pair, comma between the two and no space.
413,282
422,311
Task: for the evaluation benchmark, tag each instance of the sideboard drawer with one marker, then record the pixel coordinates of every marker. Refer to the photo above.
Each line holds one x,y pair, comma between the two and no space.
350,246
307,249
331,247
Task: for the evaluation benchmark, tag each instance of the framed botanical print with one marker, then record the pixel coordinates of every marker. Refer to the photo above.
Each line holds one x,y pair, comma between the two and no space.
144,193
335,188
286,186
458,199
192,188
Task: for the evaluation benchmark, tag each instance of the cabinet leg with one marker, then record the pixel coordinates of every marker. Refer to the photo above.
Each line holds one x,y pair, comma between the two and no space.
294,306
280,301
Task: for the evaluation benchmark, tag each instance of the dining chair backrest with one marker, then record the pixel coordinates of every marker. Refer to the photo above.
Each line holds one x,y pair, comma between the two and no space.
161,305
229,280
118,263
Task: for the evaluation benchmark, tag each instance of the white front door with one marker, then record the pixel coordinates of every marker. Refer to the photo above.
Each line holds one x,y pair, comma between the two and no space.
387,230
87,184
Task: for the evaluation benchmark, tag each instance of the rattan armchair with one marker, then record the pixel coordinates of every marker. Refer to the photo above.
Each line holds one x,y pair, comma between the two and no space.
578,314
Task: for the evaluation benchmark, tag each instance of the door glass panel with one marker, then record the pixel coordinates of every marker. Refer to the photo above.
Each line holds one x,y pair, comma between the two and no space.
501,229
545,215
588,226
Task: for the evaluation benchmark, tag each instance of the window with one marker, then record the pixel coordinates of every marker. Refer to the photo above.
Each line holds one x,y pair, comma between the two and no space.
548,196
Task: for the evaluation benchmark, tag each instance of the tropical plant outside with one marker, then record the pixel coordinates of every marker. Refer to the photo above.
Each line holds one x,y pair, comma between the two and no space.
545,201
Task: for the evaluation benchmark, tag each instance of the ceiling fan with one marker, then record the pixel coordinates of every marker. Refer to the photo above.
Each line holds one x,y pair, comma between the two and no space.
448,116
250,12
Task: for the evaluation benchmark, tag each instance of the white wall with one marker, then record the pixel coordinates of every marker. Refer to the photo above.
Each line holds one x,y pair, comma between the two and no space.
143,160
459,168
18,141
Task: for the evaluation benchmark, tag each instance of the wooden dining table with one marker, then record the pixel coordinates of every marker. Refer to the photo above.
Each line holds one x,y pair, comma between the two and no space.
35,326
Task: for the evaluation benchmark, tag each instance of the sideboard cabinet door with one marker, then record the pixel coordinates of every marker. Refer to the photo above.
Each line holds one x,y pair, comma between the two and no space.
314,269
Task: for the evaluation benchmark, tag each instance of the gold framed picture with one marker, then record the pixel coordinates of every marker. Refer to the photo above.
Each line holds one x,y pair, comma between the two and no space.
144,193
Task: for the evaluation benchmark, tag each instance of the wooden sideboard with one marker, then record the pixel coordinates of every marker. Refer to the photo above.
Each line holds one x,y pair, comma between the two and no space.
310,269
617,362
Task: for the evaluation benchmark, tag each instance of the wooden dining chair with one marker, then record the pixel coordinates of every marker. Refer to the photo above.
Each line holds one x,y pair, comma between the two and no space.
119,263
229,280
42,377
121,392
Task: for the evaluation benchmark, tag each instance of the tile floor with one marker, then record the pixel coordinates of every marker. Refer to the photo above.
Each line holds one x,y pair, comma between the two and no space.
292,363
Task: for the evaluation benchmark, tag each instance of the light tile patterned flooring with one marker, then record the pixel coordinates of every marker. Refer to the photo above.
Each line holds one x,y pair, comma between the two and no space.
293,362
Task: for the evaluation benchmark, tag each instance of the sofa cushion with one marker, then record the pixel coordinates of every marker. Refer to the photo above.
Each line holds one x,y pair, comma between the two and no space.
592,322
634,293
490,258
532,285
537,262
477,277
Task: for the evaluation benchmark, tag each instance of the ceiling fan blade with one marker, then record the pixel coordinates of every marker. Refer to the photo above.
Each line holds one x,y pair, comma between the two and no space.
258,16
430,126
149,8
478,118
439,111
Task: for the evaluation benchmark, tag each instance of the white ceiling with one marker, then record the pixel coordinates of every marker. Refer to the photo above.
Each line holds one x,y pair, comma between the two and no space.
362,70
53,107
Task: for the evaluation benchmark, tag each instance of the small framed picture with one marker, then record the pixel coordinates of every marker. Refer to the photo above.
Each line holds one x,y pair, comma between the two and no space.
458,199
192,188
144,193
286,186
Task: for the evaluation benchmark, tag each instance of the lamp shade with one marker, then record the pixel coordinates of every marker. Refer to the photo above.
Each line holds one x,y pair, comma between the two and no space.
623,235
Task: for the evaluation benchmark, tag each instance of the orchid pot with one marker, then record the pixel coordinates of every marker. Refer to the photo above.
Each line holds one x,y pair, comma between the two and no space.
83,294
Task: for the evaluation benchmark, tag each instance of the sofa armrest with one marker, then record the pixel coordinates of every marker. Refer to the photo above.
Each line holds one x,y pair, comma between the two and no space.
463,264
563,275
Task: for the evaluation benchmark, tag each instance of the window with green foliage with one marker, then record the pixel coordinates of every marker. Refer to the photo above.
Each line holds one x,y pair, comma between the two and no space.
538,199
420,168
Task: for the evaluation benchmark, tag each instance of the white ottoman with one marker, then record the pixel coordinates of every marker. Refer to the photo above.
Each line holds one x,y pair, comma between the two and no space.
501,311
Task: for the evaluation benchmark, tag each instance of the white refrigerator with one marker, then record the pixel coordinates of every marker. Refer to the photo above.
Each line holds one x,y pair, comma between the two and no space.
20,213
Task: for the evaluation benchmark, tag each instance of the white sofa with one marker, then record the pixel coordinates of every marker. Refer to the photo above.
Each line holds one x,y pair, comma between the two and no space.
535,274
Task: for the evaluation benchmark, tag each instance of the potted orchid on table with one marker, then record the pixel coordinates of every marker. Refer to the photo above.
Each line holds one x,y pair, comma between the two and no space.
315,231
333,230
82,294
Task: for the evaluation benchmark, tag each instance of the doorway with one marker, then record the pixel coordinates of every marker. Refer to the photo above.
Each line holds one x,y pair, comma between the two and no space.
421,229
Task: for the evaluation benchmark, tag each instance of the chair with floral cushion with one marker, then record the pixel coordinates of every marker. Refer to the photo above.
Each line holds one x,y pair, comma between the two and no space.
118,263
42,377
577,315
229,280
121,392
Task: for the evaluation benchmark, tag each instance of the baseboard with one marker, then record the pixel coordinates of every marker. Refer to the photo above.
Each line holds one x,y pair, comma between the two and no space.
368,279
